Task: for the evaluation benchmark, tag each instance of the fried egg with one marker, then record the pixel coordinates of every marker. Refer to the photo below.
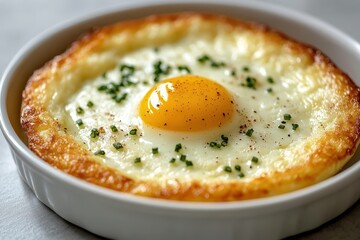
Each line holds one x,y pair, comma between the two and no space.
193,107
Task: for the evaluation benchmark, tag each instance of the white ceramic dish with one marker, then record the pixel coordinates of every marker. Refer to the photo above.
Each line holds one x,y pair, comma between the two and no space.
121,216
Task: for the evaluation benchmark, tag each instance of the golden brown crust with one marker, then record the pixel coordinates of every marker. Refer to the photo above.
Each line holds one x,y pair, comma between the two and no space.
327,155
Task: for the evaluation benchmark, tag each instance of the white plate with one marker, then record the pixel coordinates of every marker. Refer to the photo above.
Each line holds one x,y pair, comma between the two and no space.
122,216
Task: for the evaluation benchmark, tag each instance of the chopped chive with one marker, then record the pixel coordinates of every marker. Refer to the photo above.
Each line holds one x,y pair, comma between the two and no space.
100,152
295,126
90,104
160,69
214,145
178,147
204,58
182,157
79,110
94,133
156,49
270,80
120,98
117,145
189,163
127,69
255,159
249,132
287,116
217,64
233,73
102,88
155,150
241,175
133,131
269,90
281,126
172,160
79,122
113,128
237,168
104,75
227,169
111,88
246,69
184,68
137,160
251,82
224,138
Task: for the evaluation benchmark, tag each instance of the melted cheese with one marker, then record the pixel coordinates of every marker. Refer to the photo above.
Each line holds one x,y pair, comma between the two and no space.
257,109
79,139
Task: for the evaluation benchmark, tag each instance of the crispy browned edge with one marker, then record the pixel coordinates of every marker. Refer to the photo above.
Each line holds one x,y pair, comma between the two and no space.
64,153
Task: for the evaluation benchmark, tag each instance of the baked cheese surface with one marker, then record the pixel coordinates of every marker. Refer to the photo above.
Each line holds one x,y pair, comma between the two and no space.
193,107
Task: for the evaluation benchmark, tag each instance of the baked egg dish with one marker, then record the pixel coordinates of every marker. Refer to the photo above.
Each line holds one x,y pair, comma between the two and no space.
192,107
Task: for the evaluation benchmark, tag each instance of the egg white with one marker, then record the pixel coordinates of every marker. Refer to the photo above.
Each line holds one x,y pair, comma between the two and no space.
258,109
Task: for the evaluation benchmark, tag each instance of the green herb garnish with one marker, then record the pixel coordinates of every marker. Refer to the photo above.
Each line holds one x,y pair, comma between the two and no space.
255,159
79,110
214,145
90,104
120,98
224,140
241,175
160,69
246,69
117,145
137,160
155,150
237,168
79,122
113,128
217,64
205,58
102,88
172,160
178,147
94,133
189,163
281,126
233,73
183,158
184,68
250,82
227,169
223,143
100,152
287,116
133,131
249,132
294,126
270,80
127,69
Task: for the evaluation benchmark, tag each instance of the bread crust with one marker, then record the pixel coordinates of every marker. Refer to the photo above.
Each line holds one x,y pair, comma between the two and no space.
49,140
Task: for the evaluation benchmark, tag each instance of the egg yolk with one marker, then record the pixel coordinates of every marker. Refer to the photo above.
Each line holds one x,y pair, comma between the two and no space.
186,103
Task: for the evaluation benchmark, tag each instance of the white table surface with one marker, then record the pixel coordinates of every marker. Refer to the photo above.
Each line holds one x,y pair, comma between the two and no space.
22,216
